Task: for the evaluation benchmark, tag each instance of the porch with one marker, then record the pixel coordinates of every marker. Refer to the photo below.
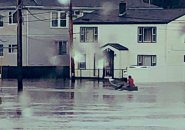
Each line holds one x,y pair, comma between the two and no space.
100,73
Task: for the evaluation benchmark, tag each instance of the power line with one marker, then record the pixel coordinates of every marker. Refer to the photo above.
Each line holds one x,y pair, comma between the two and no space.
36,16
27,14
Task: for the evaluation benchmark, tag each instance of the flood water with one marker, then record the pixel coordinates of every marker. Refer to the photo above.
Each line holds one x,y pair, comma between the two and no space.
91,105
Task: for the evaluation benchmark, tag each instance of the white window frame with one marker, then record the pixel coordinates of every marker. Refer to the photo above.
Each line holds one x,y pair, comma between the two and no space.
140,60
12,48
141,35
83,34
12,18
62,51
59,19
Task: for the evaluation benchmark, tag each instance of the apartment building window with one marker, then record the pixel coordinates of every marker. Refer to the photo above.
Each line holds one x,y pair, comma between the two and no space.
88,34
1,49
1,21
62,47
12,48
12,17
147,34
146,60
82,62
58,19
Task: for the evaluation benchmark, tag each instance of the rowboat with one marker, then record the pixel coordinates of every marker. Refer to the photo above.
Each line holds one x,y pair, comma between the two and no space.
121,85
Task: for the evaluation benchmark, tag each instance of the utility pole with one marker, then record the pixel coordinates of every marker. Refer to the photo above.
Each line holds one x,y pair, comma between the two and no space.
19,45
72,64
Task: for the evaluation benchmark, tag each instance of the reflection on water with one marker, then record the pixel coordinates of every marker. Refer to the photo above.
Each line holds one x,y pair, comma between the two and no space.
89,105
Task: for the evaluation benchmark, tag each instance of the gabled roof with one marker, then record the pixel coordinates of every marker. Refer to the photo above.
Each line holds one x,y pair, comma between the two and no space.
116,46
77,3
133,16
130,3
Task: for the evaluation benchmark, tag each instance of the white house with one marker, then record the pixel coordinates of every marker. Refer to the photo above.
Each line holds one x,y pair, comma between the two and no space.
147,43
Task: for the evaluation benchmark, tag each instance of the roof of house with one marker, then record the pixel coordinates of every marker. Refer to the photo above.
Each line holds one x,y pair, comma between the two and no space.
77,3
132,16
97,3
14,2
116,46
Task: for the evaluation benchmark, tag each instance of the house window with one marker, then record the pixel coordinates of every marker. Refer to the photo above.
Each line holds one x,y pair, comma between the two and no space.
146,60
12,48
58,19
12,17
1,21
147,34
82,62
62,47
1,49
88,34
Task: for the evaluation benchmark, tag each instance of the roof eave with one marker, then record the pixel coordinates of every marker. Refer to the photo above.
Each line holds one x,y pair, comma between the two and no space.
158,22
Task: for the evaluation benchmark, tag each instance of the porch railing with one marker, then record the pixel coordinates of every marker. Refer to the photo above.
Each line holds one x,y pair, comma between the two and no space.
100,73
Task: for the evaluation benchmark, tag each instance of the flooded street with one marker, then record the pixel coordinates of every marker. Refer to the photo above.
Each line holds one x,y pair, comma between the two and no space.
91,105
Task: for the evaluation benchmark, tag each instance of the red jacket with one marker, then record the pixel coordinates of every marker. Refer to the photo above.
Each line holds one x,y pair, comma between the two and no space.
131,82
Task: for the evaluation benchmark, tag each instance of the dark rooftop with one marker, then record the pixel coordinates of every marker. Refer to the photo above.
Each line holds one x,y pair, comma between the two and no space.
116,46
14,2
133,16
78,3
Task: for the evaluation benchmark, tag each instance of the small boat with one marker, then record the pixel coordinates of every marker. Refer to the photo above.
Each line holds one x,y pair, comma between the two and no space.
135,88
122,85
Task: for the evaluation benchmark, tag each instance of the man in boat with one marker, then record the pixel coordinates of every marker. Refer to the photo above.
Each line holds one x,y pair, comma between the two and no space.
127,85
130,81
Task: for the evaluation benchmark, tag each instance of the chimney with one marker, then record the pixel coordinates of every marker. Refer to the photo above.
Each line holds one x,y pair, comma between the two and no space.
122,8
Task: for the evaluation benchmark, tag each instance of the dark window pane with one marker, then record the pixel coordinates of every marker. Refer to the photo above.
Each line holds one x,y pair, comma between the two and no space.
1,21
62,23
10,17
15,18
54,23
1,50
62,47
62,16
9,48
140,38
82,65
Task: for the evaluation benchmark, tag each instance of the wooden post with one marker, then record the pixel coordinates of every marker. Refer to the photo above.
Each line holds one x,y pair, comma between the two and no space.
19,45
72,64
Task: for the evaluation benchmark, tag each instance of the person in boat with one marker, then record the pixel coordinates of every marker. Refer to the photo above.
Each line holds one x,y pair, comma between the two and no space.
130,82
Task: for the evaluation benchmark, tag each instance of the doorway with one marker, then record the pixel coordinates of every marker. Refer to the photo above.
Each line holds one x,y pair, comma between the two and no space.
109,63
